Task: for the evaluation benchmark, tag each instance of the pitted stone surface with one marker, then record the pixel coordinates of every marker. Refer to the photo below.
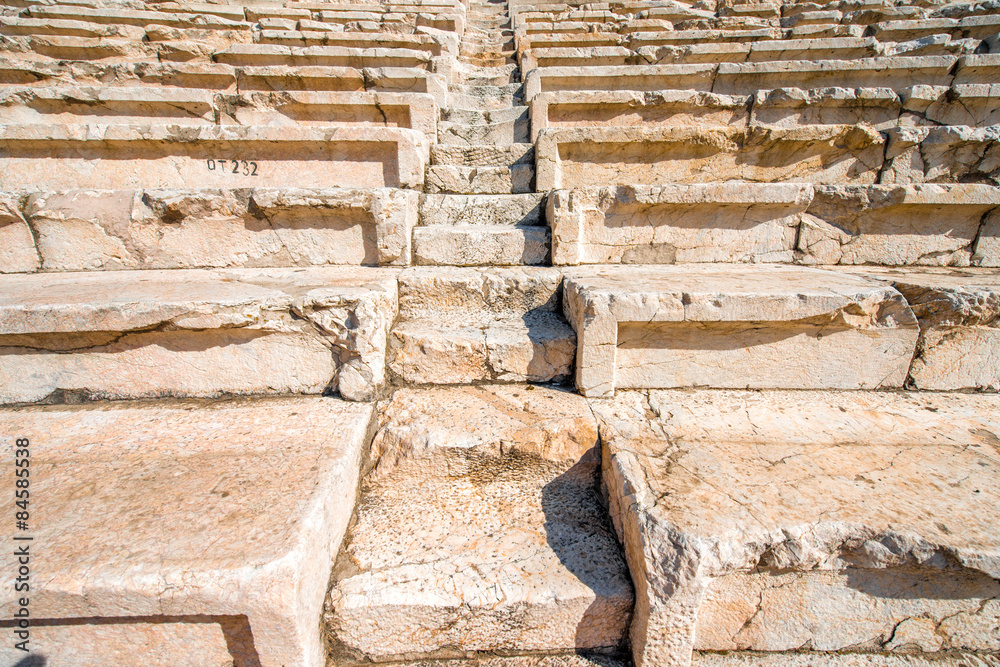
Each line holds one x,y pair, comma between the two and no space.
212,524
514,552
805,535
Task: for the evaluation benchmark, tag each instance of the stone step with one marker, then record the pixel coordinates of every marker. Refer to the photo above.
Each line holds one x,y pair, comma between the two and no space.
463,210
480,245
468,325
96,335
486,76
86,230
486,156
516,553
485,97
733,326
848,154
175,156
485,117
311,78
927,224
502,133
302,37
462,180
258,55
206,530
489,60
854,567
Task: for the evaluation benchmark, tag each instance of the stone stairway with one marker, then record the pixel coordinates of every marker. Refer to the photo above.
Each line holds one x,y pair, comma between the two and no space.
494,334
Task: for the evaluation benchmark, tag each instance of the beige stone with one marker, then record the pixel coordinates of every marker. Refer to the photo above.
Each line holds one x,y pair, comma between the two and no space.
479,245
18,252
697,77
82,104
93,156
723,326
725,562
942,154
795,107
250,507
514,551
574,157
205,333
726,222
927,224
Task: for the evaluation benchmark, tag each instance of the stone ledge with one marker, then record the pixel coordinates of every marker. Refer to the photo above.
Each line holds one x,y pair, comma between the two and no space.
250,502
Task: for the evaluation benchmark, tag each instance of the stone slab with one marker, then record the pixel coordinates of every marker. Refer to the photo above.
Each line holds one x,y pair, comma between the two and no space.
522,210
729,326
855,505
949,154
480,245
515,552
208,529
156,156
725,222
84,230
206,333
574,157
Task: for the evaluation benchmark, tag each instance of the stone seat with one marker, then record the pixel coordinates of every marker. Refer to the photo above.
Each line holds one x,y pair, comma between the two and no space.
76,104
415,111
316,78
207,333
18,25
943,154
133,17
257,55
231,12
204,530
824,30
46,73
577,156
879,108
514,553
725,326
889,225
458,326
820,528
93,156
353,40
58,47
85,230
698,77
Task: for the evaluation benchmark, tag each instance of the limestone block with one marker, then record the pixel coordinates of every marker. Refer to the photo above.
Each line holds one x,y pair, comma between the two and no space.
943,154
305,78
457,179
515,553
135,17
724,326
185,577
574,157
18,252
836,48
697,77
155,156
169,229
725,52
848,560
667,108
206,333
258,55
967,104
895,73
794,107
523,209
959,316
725,222
478,245
489,156
90,104
927,224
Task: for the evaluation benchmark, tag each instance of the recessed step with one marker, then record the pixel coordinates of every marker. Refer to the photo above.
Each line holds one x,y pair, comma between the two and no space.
484,97
480,245
515,552
892,536
486,76
449,179
510,210
96,335
460,326
501,133
185,525
736,326
483,156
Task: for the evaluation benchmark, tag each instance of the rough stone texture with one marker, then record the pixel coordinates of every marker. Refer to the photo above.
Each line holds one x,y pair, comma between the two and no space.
85,230
515,552
523,209
959,317
775,520
943,155
165,156
250,507
927,224
458,326
477,245
575,157
205,333
18,252
722,326
726,222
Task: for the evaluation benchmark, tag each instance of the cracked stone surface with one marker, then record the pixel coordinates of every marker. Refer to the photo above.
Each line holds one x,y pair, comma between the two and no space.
513,550
206,333
723,326
208,524
825,527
